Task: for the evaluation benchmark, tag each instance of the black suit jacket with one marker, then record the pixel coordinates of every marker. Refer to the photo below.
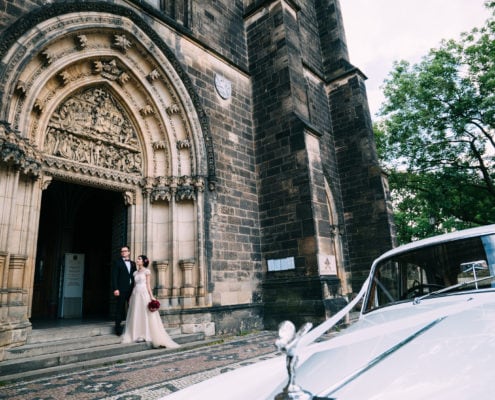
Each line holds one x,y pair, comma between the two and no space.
121,279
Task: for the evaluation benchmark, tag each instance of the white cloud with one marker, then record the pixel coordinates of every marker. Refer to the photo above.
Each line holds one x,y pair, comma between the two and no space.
380,32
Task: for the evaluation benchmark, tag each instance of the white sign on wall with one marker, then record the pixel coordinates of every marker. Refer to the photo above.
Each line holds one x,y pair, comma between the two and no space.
281,264
73,286
327,264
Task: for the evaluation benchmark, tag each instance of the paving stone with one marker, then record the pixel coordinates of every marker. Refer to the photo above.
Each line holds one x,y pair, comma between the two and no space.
150,378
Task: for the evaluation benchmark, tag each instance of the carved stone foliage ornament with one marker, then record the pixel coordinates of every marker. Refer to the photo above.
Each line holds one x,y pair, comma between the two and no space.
91,127
81,41
121,42
111,71
17,152
175,187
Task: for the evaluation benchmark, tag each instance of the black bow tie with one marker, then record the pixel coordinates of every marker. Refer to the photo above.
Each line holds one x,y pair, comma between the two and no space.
126,259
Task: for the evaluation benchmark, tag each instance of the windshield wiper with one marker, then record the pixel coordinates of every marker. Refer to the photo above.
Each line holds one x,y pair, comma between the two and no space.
417,300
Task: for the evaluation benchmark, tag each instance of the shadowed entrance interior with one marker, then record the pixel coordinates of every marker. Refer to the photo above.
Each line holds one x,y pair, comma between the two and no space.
79,220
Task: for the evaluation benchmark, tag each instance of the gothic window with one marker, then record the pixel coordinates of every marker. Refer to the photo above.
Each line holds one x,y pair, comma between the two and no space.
336,238
179,10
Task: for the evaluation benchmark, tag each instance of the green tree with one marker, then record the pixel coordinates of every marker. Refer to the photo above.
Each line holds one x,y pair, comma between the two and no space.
436,136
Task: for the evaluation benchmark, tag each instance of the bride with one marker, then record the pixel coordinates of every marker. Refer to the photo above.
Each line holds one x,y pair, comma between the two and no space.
142,324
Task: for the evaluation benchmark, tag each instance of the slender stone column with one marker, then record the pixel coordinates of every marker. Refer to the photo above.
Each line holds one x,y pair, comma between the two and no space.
163,287
4,274
187,288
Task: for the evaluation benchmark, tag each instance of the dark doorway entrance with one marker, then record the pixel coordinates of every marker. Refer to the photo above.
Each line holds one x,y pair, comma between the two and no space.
80,220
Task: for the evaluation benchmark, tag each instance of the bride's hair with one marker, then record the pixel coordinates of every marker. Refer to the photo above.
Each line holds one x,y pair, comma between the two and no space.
146,262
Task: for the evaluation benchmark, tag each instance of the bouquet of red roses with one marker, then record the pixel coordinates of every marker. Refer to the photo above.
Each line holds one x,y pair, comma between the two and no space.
153,305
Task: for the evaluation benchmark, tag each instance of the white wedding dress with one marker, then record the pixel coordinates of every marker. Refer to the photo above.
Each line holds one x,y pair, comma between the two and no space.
141,324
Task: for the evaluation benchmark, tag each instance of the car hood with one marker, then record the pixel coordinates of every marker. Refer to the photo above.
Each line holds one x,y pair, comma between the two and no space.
442,348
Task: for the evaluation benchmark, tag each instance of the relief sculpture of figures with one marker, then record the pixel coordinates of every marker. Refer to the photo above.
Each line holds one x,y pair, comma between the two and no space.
91,128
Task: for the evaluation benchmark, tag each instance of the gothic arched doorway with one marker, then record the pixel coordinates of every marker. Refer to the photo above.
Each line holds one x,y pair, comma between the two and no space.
83,221
100,102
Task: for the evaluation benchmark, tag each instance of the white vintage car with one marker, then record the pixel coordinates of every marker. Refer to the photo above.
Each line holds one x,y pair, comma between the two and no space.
426,331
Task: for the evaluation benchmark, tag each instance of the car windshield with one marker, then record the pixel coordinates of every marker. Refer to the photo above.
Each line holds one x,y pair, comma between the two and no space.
461,265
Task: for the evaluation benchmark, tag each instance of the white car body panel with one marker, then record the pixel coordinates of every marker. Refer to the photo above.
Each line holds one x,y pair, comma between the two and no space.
440,348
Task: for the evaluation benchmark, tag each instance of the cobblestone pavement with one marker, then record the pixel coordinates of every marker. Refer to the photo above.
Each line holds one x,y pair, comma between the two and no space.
150,378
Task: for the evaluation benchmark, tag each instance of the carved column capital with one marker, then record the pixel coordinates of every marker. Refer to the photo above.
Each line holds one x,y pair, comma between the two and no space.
45,181
129,198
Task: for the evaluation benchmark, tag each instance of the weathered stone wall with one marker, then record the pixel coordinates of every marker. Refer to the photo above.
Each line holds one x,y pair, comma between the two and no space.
12,10
295,94
369,229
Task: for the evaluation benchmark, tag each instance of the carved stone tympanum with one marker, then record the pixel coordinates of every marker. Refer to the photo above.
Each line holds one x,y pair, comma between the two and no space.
91,127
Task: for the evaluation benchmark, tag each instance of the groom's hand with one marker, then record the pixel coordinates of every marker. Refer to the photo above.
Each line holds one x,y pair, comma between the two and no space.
116,293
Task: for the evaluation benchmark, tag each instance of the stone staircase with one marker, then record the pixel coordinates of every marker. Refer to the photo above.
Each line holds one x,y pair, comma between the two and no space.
73,347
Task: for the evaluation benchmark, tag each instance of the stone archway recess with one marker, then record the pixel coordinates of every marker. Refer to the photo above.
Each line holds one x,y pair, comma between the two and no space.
90,98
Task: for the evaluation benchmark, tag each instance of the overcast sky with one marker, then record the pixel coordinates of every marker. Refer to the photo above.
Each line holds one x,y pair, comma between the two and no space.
380,32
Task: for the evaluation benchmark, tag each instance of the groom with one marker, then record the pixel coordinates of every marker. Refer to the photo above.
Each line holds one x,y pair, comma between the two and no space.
122,284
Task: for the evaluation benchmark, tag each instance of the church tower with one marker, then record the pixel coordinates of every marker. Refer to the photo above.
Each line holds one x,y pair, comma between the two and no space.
321,191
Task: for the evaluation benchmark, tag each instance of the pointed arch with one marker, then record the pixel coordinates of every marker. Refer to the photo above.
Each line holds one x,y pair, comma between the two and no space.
336,236
80,18
95,97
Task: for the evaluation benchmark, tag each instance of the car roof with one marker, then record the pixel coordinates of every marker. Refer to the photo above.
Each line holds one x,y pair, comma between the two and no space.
447,237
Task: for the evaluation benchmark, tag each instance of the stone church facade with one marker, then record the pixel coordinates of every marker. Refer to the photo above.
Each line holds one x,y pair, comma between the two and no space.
230,141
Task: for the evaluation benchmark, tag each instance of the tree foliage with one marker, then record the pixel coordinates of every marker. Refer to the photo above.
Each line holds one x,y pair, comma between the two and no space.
436,136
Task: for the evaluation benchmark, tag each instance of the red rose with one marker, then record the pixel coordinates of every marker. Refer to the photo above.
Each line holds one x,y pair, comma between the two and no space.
153,305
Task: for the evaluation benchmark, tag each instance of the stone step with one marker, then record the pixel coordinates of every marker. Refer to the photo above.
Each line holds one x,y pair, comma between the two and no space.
59,346
25,364
71,348
55,334
69,331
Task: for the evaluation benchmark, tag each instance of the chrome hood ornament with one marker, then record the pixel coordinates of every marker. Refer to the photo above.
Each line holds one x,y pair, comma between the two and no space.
287,342
290,342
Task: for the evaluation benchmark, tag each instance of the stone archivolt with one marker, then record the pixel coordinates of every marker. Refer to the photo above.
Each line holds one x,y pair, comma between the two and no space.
95,95
145,76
